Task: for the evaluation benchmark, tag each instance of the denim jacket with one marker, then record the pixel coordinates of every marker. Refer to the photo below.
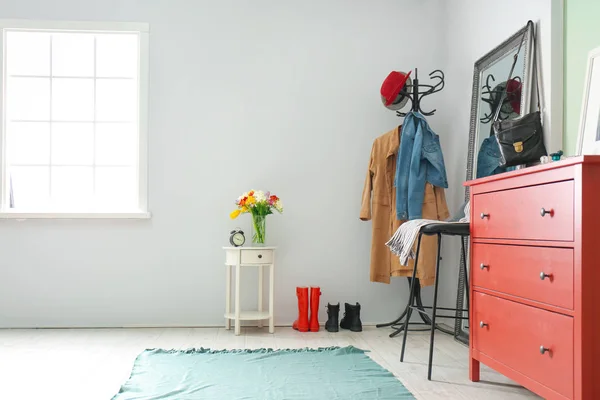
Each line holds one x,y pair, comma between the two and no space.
420,160
489,158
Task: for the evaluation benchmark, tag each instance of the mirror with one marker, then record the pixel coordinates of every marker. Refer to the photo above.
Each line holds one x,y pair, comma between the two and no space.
490,79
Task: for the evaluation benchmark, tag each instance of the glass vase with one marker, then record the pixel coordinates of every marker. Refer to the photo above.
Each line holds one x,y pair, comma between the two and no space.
259,229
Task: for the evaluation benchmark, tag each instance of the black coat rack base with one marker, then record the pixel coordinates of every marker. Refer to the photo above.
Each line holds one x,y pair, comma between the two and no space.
398,324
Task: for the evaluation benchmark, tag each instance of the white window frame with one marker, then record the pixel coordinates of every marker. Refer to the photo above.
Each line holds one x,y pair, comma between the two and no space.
142,29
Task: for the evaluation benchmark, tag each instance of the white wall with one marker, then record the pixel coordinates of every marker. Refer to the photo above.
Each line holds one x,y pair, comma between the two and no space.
281,96
474,28
264,94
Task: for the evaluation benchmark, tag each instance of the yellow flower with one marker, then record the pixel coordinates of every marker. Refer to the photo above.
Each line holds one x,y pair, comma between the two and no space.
251,200
244,209
235,214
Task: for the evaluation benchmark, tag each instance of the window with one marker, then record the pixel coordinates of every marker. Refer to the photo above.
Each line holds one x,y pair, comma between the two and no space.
73,119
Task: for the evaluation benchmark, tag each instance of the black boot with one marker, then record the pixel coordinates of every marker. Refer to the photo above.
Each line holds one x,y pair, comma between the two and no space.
333,315
351,318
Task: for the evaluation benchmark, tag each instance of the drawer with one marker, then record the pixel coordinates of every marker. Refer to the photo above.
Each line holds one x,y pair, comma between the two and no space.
513,335
518,270
517,213
257,256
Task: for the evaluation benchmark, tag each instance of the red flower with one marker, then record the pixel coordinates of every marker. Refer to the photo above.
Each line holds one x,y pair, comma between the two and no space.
251,193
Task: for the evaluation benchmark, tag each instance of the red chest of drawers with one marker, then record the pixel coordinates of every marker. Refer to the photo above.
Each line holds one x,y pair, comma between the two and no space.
535,277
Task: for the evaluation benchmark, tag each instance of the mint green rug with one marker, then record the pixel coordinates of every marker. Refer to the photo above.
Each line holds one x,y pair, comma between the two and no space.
306,374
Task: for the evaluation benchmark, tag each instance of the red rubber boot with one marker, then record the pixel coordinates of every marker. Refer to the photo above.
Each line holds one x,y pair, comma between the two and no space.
315,294
301,324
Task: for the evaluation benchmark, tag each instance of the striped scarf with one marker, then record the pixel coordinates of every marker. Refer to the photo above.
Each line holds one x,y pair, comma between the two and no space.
402,243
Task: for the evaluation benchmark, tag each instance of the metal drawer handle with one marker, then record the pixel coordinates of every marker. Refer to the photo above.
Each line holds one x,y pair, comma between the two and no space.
544,350
482,266
544,275
484,215
543,212
260,256
483,324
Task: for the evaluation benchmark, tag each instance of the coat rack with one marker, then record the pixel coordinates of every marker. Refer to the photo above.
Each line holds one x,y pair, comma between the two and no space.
415,92
491,95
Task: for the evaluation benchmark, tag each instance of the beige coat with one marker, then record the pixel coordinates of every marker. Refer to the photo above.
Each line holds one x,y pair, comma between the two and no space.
379,204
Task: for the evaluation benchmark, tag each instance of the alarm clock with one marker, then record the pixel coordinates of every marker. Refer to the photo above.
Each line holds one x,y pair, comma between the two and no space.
237,238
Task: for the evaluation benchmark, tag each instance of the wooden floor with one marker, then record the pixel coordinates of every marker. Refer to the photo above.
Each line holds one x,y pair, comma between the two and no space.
90,364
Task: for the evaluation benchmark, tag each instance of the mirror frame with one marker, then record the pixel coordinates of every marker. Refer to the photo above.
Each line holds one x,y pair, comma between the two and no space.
481,65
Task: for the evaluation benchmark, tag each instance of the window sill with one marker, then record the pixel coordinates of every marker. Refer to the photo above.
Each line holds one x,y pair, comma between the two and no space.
22,215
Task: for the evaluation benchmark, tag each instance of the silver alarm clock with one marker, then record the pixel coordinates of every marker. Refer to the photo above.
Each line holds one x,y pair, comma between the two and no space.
237,238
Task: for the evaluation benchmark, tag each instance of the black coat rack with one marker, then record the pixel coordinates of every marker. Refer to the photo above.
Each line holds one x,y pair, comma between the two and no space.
492,94
415,92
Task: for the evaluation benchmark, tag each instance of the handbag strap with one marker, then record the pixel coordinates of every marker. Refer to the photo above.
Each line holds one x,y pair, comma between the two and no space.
536,67
512,68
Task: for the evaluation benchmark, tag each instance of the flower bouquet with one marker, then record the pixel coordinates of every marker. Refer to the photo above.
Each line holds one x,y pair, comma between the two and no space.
259,204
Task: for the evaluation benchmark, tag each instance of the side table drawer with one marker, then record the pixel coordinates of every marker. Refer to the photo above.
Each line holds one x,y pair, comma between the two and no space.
257,256
517,270
532,341
543,212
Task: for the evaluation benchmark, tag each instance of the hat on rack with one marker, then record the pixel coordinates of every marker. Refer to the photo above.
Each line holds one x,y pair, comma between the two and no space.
511,106
393,90
513,90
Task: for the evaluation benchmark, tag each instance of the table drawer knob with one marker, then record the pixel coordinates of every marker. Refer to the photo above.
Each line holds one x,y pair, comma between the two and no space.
483,324
484,215
544,350
260,256
482,266
543,212
544,275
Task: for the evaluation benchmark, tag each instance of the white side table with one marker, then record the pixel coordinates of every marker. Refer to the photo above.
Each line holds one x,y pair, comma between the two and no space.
239,257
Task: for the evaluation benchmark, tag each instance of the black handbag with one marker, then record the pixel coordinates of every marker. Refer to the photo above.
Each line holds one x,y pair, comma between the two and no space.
521,140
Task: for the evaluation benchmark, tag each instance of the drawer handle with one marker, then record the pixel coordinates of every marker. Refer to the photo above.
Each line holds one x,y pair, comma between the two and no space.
543,212
544,275
482,266
483,324
260,256
544,350
484,215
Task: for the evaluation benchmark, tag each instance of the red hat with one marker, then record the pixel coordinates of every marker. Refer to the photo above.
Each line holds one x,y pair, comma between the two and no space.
392,85
513,90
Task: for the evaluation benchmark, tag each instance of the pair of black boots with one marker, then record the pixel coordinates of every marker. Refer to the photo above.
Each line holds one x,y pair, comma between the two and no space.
350,321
